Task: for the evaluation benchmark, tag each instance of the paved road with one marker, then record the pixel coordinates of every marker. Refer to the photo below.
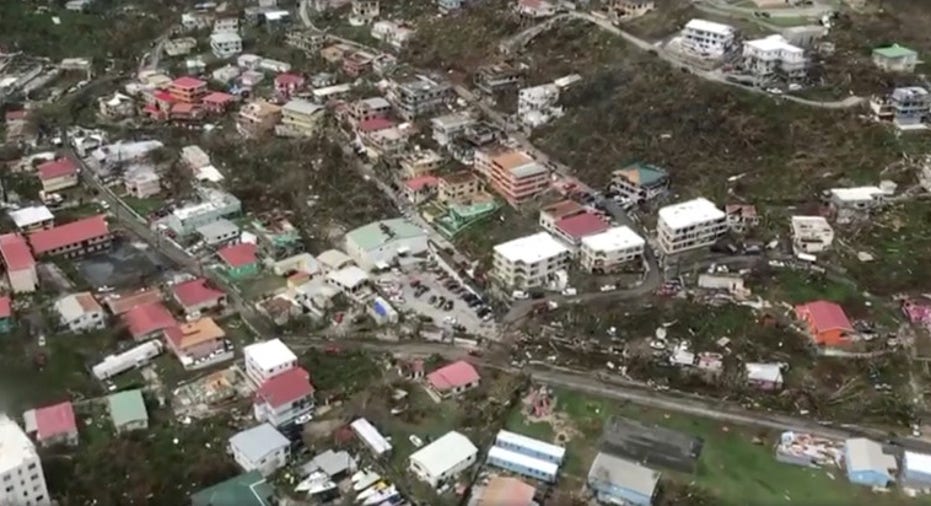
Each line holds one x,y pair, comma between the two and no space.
812,11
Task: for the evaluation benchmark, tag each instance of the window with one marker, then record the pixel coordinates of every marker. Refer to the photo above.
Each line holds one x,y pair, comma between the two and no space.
31,466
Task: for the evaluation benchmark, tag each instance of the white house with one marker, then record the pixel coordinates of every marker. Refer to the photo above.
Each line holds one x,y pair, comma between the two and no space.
225,44
536,105
284,398
611,249
80,312
773,55
449,126
261,448
850,203
137,356
529,261
20,467
689,225
380,243
811,234
708,38
444,458
369,435
32,218
267,359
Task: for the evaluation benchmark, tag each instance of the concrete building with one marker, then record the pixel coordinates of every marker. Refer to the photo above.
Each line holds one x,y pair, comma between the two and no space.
214,205
640,182
284,398
707,38
459,187
142,182
364,11
257,118
513,174
20,464
352,281
19,263
853,203
448,127
370,436
895,58
571,230
58,175
127,411
867,464
261,448
443,459
52,425
611,250
453,379
689,225
113,365
300,118
916,470
626,9
222,231
225,44
198,343
618,481
529,262
268,359
80,312
392,33
383,242
536,106
522,464
419,163
911,106
418,96
773,56
811,234
498,77
188,90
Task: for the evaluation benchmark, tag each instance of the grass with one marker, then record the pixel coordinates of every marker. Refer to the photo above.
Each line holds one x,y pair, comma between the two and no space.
144,206
342,373
477,242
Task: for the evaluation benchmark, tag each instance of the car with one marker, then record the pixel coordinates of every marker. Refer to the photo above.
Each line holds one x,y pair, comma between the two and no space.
301,420
440,301
432,299
42,341
448,306
415,283
473,303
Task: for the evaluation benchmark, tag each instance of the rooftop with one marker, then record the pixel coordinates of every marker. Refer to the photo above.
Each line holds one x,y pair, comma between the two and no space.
85,229
257,442
531,249
218,97
28,216
299,106
418,183
377,234
121,302
190,334
444,453
581,225
239,255
375,125
457,374
690,213
188,83
858,194
6,306
774,42
16,445
825,315
285,388
507,490
55,420
249,489
895,51
57,168
195,292
867,455
148,318
613,239
624,474
74,306
15,252
510,159
269,354
126,407
643,174
710,26
349,276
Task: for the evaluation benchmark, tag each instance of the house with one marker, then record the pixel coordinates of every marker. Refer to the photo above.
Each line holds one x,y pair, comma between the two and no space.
225,44
895,58
287,84
116,107
418,96
351,281
369,108
333,260
268,359
217,102
57,175
498,77
247,489
412,370
811,234
364,11
214,204
284,398
21,460
522,464
383,242
741,217
611,250
300,118
460,187
197,296
261,448
774,57
382,137
356,63
916,470
180,46
443,459
535,9
573,229
908,108
147,321
536,105
6,314
826,322
219,232
198,343
127,411
690,225
113,365
32,218
707,38
453,379
420,189
19,263
80,312
767,377
855,203
142,183
392,33
121,302
867,464
336,465
53,424
78,238
618,481
188,90
626,9
447,127
257,118
419,163
512,173
640,182
240,260
529,262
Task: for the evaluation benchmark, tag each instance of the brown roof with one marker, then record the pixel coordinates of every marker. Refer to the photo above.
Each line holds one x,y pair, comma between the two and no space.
511,159
121,303
191,334
563,209
87,302
459,177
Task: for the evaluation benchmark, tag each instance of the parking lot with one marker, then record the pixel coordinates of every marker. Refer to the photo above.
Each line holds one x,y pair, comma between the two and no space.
433,294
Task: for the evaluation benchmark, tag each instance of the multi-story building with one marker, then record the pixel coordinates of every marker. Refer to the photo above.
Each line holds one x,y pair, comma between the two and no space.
142,182
188,90
689,225
773,56
284,398
910,105
356,63
625,9
23,481
418,96
198,343
214,205
365,11
448,127
459,187
226,25
610,250
19,263
287,84
306,41
225,44
392,33
261,448
640,182
57,175
513,174
536,106
369,108
530,261
73,239
257,118
498,77
267,359
419,163
80,312
811,234
895,58
300,118
708,38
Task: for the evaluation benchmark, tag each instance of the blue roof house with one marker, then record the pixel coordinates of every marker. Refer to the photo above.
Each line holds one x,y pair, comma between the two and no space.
867,464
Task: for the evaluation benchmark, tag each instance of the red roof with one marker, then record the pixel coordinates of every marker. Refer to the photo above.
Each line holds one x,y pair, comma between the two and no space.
188,82
57,168
285,388
15,252
55,420
825,315
5,307
15,115
582,225
375,124
195,292
218,97
418,183
70,233
239,255
163,96
288,80
457,374
148,318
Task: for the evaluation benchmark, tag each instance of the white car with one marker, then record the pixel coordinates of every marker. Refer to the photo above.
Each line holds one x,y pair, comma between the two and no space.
416,441
520,295
301,420
608,288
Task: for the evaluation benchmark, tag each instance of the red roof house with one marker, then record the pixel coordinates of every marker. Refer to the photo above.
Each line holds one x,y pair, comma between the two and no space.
53,424
72,239
826,322
419,189
148,320
287,83
218,102
453,379
20,265
195,295
284,397
187,89
56,175
574,228
375,124
239,255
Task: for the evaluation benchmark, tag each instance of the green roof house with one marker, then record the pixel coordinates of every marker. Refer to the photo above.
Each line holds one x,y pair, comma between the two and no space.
127,410
640,182
895,58
380,243
249,489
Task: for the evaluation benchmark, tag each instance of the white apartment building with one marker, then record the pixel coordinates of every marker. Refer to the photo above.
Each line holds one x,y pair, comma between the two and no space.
708,38
261,448
689,225
267,359
80,312
536,105
449,126
850,203
225,44
611,249
444,458
530,261
811,234
226,25
773,55
284,398
22,481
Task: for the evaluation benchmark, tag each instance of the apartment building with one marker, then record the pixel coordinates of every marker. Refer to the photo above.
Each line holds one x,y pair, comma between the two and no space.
689,225
459,187
19,263
369,108
498,77
72,239
448,127
773,56
365,11
284,398
610,250
418,96
707,38
895,58
640,182
536,105
513,174
811,234
530,261
225,44
20,468
300,118
257,118
188,90
419,163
